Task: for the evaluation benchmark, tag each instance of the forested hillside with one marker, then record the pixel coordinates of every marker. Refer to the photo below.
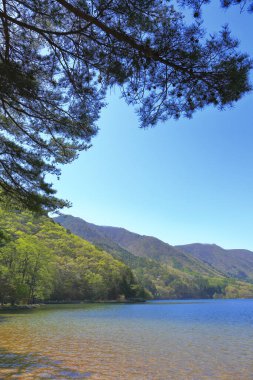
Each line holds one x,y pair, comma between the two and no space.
40,260
236,263
189,278
126,242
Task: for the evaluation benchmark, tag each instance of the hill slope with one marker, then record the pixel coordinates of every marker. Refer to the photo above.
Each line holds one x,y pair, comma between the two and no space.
194,279
236,263
121,240
39,259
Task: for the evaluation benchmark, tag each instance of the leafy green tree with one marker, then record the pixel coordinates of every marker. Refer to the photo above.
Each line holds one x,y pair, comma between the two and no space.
40,260
26,270
58,58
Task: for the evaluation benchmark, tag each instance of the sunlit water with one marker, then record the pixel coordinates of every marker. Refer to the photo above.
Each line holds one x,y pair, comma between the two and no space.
159,340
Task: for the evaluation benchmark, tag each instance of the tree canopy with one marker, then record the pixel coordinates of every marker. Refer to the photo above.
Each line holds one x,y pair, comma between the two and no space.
40,260
58,58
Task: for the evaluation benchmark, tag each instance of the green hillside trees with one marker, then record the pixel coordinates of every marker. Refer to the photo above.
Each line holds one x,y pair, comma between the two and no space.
40,260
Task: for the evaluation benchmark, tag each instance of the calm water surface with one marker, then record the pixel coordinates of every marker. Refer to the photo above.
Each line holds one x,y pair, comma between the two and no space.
158,340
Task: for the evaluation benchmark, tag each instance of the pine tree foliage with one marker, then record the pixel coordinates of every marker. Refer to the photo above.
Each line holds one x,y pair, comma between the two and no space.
243,4
58,58
197,5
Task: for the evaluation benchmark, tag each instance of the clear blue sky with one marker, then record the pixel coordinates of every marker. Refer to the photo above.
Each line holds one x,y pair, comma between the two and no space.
183,182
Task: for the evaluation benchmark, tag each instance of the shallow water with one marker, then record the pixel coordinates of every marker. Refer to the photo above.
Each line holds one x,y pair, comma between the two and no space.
158,340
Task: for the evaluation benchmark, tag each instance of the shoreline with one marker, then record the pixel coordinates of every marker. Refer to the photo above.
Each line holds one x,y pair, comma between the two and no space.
9,307
38,305
19,307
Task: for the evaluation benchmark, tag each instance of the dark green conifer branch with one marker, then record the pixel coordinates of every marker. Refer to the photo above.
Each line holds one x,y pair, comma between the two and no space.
58,58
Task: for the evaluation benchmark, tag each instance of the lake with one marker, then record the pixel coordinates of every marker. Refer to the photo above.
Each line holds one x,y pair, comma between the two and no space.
158,340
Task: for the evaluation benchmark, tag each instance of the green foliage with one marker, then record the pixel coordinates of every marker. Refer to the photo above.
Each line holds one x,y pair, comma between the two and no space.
58,58
40,260
26,270
163,270
132,248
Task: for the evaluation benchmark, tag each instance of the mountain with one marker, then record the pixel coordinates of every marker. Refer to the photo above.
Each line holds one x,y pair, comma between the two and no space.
89,232
40,260
165,271
236,263
120,240
204,259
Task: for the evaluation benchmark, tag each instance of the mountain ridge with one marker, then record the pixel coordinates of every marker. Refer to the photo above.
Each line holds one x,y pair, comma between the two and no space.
165,271
206,259
135,244
236,263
